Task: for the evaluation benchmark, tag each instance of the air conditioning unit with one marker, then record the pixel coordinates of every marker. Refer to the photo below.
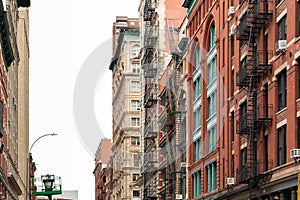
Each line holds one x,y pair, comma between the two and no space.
179,196
230,10
230,181
183,164
295,153
231,31
280,45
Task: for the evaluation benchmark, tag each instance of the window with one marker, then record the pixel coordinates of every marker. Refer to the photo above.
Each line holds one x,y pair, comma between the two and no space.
197,118
163,99
232,125
211,177
135,51
266,99
281,89
298,78
197,57
243,110
135,141
136,160
244,63
212,38
223,49
298,129
212,104
136,193
135,68
197,183
135,177
212,138
223,91
266,147
164,151
232,165
198,87
282,29
212,70
163,126
163,175
279,1
244,157
1,119
281,145
231,47
135,105
232,83
135,86
197,145
135,121
298,7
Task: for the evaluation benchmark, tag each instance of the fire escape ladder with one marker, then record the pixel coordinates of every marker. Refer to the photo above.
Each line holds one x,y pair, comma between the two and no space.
254,66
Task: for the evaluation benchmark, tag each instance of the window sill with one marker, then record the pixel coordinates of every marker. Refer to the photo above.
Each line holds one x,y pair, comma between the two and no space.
281,111
278,5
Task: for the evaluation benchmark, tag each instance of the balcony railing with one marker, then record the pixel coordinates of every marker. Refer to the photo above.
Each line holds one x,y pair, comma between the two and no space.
255,119
149,70
253,172
150,97
262,11
254,68
150,131
148,10
257,15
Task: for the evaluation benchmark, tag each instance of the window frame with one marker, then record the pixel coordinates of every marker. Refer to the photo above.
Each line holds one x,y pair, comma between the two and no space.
282,28
281,145
135,68
135,105
135,141
282,90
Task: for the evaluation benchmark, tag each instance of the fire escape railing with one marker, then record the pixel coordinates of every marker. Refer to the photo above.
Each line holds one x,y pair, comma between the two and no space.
259,117
150,97
253,172
256,66
149,9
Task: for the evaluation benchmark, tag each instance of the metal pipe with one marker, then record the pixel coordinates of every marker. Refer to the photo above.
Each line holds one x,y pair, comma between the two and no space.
28,161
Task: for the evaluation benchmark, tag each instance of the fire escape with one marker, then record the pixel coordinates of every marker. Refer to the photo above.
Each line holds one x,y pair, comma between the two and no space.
149,66
174,113
254,66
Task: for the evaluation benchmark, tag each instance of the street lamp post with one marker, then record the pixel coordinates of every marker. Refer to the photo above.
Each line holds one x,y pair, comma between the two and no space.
28,161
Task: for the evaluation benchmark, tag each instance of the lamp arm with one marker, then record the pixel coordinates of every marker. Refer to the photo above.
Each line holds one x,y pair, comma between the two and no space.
50,134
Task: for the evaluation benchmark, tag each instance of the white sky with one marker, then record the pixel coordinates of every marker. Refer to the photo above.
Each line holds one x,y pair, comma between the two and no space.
62,35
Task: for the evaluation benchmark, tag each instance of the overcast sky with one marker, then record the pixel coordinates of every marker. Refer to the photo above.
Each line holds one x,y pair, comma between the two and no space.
62,36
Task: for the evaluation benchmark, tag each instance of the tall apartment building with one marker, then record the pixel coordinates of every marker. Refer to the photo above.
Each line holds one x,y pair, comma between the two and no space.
23,100
159,22
13,176
103,170
125,69
172,118
243,104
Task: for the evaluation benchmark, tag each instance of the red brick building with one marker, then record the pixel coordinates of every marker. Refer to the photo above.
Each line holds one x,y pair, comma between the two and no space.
244,103
103,170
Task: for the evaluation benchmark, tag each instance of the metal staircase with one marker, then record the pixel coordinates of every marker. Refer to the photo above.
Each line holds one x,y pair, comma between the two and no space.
254,66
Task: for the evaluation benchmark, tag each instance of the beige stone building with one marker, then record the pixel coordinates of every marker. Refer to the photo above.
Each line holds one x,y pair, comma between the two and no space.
14,97
23,99
125,69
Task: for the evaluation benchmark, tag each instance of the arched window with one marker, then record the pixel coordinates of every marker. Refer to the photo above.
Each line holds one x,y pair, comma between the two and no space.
212,36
